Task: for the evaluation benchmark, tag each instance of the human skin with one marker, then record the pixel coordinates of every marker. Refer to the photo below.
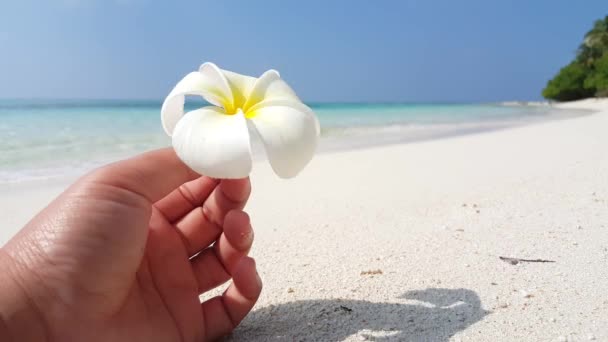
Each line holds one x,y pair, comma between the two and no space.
124,253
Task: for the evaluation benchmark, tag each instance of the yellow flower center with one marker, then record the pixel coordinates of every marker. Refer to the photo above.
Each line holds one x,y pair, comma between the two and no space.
239,103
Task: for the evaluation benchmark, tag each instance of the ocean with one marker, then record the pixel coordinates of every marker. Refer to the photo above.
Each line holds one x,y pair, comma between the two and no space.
42,139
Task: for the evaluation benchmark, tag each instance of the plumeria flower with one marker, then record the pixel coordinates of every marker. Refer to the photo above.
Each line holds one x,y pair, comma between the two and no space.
215,140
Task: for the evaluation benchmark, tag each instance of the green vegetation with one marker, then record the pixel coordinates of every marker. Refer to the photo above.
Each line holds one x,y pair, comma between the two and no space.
587,75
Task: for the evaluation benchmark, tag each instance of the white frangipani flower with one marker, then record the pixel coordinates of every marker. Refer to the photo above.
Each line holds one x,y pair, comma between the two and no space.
215,141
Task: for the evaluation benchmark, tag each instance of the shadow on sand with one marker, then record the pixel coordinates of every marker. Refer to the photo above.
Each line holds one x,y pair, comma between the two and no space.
432,314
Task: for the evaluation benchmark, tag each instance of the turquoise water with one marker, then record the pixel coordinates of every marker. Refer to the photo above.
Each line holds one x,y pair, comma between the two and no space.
43,139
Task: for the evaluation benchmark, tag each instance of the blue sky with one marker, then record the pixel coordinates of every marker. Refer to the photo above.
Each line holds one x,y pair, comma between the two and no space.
411,51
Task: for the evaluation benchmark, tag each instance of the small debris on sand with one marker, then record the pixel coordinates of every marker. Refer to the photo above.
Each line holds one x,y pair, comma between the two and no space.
515,261
290,290
371,272
345,309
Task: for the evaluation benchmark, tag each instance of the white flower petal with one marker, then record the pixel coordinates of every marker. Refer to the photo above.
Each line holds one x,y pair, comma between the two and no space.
209,82
218,85
240,85
213,143
270,86
286,103
290,133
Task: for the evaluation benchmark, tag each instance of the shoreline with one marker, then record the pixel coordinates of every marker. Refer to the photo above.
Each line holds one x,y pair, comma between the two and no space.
342,139
450,132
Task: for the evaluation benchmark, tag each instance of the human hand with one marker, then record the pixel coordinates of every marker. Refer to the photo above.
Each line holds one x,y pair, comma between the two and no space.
114,258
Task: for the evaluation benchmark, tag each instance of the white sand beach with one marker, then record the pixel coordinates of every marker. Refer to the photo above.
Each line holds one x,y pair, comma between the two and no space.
402,242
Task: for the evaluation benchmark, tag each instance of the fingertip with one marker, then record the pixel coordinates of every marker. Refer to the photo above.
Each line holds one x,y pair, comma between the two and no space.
223,314
246,279
238,216
238,231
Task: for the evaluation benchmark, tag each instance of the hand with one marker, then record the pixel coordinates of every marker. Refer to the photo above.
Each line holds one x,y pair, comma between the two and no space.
123,255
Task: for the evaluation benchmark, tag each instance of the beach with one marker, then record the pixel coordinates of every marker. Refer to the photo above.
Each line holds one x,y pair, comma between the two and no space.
403,242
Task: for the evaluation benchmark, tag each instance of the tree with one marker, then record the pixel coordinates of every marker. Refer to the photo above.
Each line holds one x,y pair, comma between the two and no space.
569,84
587,75
598,80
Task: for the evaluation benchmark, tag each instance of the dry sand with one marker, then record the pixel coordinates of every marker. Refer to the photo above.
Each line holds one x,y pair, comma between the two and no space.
403,242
